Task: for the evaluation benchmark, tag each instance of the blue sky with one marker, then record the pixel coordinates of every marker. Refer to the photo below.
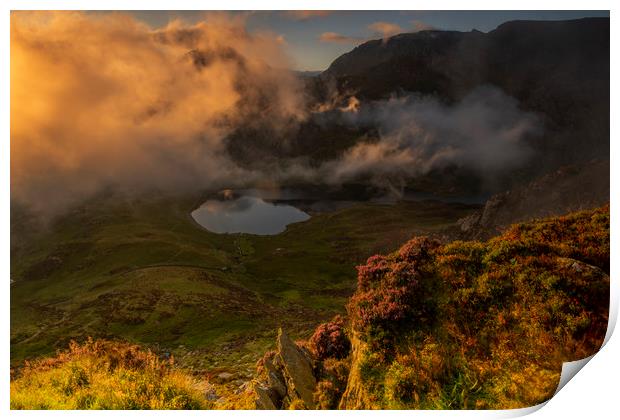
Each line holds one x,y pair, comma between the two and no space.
314,40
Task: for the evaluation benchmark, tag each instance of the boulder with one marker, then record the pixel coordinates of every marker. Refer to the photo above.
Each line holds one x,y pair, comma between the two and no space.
225,376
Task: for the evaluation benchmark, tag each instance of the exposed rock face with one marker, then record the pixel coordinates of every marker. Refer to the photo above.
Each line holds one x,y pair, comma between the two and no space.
563,191
275,380
286,377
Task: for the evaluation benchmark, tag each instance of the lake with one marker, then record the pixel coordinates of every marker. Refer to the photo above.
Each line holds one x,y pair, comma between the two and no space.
247,214
269,211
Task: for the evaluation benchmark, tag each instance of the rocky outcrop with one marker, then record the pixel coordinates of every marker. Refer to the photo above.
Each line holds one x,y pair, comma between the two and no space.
297,369
264,399
286,377
568,189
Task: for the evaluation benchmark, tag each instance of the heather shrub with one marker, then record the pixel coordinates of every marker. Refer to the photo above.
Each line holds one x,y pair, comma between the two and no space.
332,376
582,236
330,341
416,375
393,291
400,384
297,404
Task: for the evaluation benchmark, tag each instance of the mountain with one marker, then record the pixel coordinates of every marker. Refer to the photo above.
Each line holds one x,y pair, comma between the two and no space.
558,69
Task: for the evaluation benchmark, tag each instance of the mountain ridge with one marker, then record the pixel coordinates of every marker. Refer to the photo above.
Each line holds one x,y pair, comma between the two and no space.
558,69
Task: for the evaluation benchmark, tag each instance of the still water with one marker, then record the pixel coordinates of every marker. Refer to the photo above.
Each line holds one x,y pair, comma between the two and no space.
247,214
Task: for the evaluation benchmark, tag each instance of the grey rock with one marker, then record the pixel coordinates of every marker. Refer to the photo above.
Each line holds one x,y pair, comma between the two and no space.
275,378
225,376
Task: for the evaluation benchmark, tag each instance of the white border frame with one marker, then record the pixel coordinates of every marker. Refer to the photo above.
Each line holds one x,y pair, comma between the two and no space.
593,393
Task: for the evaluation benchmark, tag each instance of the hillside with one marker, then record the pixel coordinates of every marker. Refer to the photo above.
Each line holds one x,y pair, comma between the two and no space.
141,269
459,325
464,325
105,375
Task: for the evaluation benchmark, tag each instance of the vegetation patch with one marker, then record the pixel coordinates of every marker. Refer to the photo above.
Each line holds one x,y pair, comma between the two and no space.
481,325
105,375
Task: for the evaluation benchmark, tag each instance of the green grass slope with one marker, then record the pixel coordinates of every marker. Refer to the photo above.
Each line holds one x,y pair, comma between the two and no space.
142,270
105,375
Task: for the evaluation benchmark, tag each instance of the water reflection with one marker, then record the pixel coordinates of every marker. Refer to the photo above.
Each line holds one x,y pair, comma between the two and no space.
247,214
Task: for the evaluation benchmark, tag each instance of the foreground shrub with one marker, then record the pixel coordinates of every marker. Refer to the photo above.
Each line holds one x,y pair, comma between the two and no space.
332,382
326,396
393,291
104,375
330,341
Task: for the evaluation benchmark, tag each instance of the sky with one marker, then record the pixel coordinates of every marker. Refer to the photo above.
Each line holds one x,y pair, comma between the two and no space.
313,39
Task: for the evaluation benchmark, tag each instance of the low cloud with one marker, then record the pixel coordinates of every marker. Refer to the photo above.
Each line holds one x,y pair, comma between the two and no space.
385,29
339,38
485,132
103,101
418,26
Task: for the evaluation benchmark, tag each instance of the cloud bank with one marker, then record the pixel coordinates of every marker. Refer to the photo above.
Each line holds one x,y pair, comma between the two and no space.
485,132
100,100
385,29
418,25
339,38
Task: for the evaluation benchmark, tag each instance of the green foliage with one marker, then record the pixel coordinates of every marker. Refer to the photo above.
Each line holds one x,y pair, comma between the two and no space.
326,396
332,382
142,270
104,375
462,325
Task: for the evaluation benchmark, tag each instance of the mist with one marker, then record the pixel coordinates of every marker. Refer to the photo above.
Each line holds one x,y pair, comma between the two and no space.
485,133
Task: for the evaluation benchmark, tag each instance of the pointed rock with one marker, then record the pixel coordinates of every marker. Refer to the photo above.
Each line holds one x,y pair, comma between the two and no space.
275,379
297,369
